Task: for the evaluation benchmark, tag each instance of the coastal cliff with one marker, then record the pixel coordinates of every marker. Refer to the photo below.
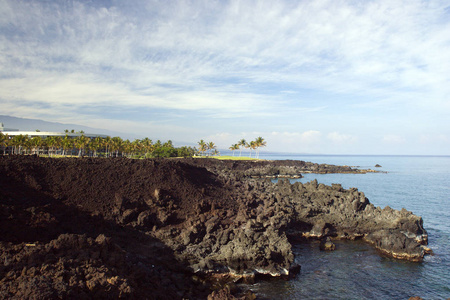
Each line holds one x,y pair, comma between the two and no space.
167,229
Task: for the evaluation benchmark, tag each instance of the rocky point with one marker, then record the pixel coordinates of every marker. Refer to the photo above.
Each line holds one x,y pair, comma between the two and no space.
175,228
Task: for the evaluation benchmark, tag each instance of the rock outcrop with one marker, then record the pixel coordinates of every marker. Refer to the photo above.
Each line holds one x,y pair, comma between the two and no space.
101,226
270,168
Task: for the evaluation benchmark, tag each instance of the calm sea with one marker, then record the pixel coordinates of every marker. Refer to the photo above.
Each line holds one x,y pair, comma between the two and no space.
355,270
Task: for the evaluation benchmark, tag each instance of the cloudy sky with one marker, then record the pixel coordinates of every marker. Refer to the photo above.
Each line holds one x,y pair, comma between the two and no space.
325,76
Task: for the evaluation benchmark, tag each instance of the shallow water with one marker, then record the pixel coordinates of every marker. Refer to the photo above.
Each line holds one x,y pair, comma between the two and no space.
355,270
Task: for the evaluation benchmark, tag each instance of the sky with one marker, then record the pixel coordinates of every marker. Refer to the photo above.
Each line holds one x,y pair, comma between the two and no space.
322,76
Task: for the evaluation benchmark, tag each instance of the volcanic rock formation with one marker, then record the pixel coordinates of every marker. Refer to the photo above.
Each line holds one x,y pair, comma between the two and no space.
162,229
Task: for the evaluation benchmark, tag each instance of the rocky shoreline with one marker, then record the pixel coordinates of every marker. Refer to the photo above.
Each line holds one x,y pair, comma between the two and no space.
173,229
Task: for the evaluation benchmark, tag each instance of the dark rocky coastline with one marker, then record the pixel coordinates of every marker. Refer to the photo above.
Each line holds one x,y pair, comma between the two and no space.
173,229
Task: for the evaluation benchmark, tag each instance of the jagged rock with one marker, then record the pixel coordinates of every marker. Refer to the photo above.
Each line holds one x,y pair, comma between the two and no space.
396,244
203,213
129,215
226,294
146,219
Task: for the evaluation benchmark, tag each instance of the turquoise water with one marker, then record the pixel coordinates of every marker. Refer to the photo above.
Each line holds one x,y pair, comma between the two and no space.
355,270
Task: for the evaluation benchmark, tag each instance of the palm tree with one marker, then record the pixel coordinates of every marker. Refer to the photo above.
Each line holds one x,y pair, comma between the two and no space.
234,147
3,142
251,146
147,145
116,144
168,144
211,147
158,144
107,142
36,143
242,143
81,142
28,146
96,144
58,143
19,141
50,142
260,142
67,143
127,148
202,146
135,147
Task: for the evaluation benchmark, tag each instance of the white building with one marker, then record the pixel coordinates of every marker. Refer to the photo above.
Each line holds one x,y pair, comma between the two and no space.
13,132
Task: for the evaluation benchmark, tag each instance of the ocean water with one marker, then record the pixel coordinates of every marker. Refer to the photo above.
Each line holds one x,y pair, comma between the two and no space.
420,184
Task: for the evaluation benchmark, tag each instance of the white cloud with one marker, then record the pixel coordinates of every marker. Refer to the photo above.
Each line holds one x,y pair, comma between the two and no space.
312,44
310,136
225,60
309,141
341,138
432,139
393,139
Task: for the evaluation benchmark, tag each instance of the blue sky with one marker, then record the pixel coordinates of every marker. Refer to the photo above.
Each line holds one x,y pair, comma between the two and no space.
326,76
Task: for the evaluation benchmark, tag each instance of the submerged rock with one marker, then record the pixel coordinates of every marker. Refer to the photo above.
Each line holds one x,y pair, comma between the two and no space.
327,245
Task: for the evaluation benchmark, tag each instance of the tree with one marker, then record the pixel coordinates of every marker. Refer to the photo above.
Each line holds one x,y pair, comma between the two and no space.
50,142
158,144
251,146
3,142
164,150
127,148
67,143
234,147
211,147
85,146
116,145
147,145
202,147
107,143
81,142
260,142
168,144
58,143
185,151
95,145
28,146
36,143
18,142
242,143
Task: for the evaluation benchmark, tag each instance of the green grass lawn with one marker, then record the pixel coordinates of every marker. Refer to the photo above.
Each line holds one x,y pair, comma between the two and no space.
229,157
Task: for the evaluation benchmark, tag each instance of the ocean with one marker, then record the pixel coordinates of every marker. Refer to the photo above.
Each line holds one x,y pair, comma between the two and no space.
355,270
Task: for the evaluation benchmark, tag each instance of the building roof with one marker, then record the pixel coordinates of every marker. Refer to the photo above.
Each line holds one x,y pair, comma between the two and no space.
50,133
13,132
